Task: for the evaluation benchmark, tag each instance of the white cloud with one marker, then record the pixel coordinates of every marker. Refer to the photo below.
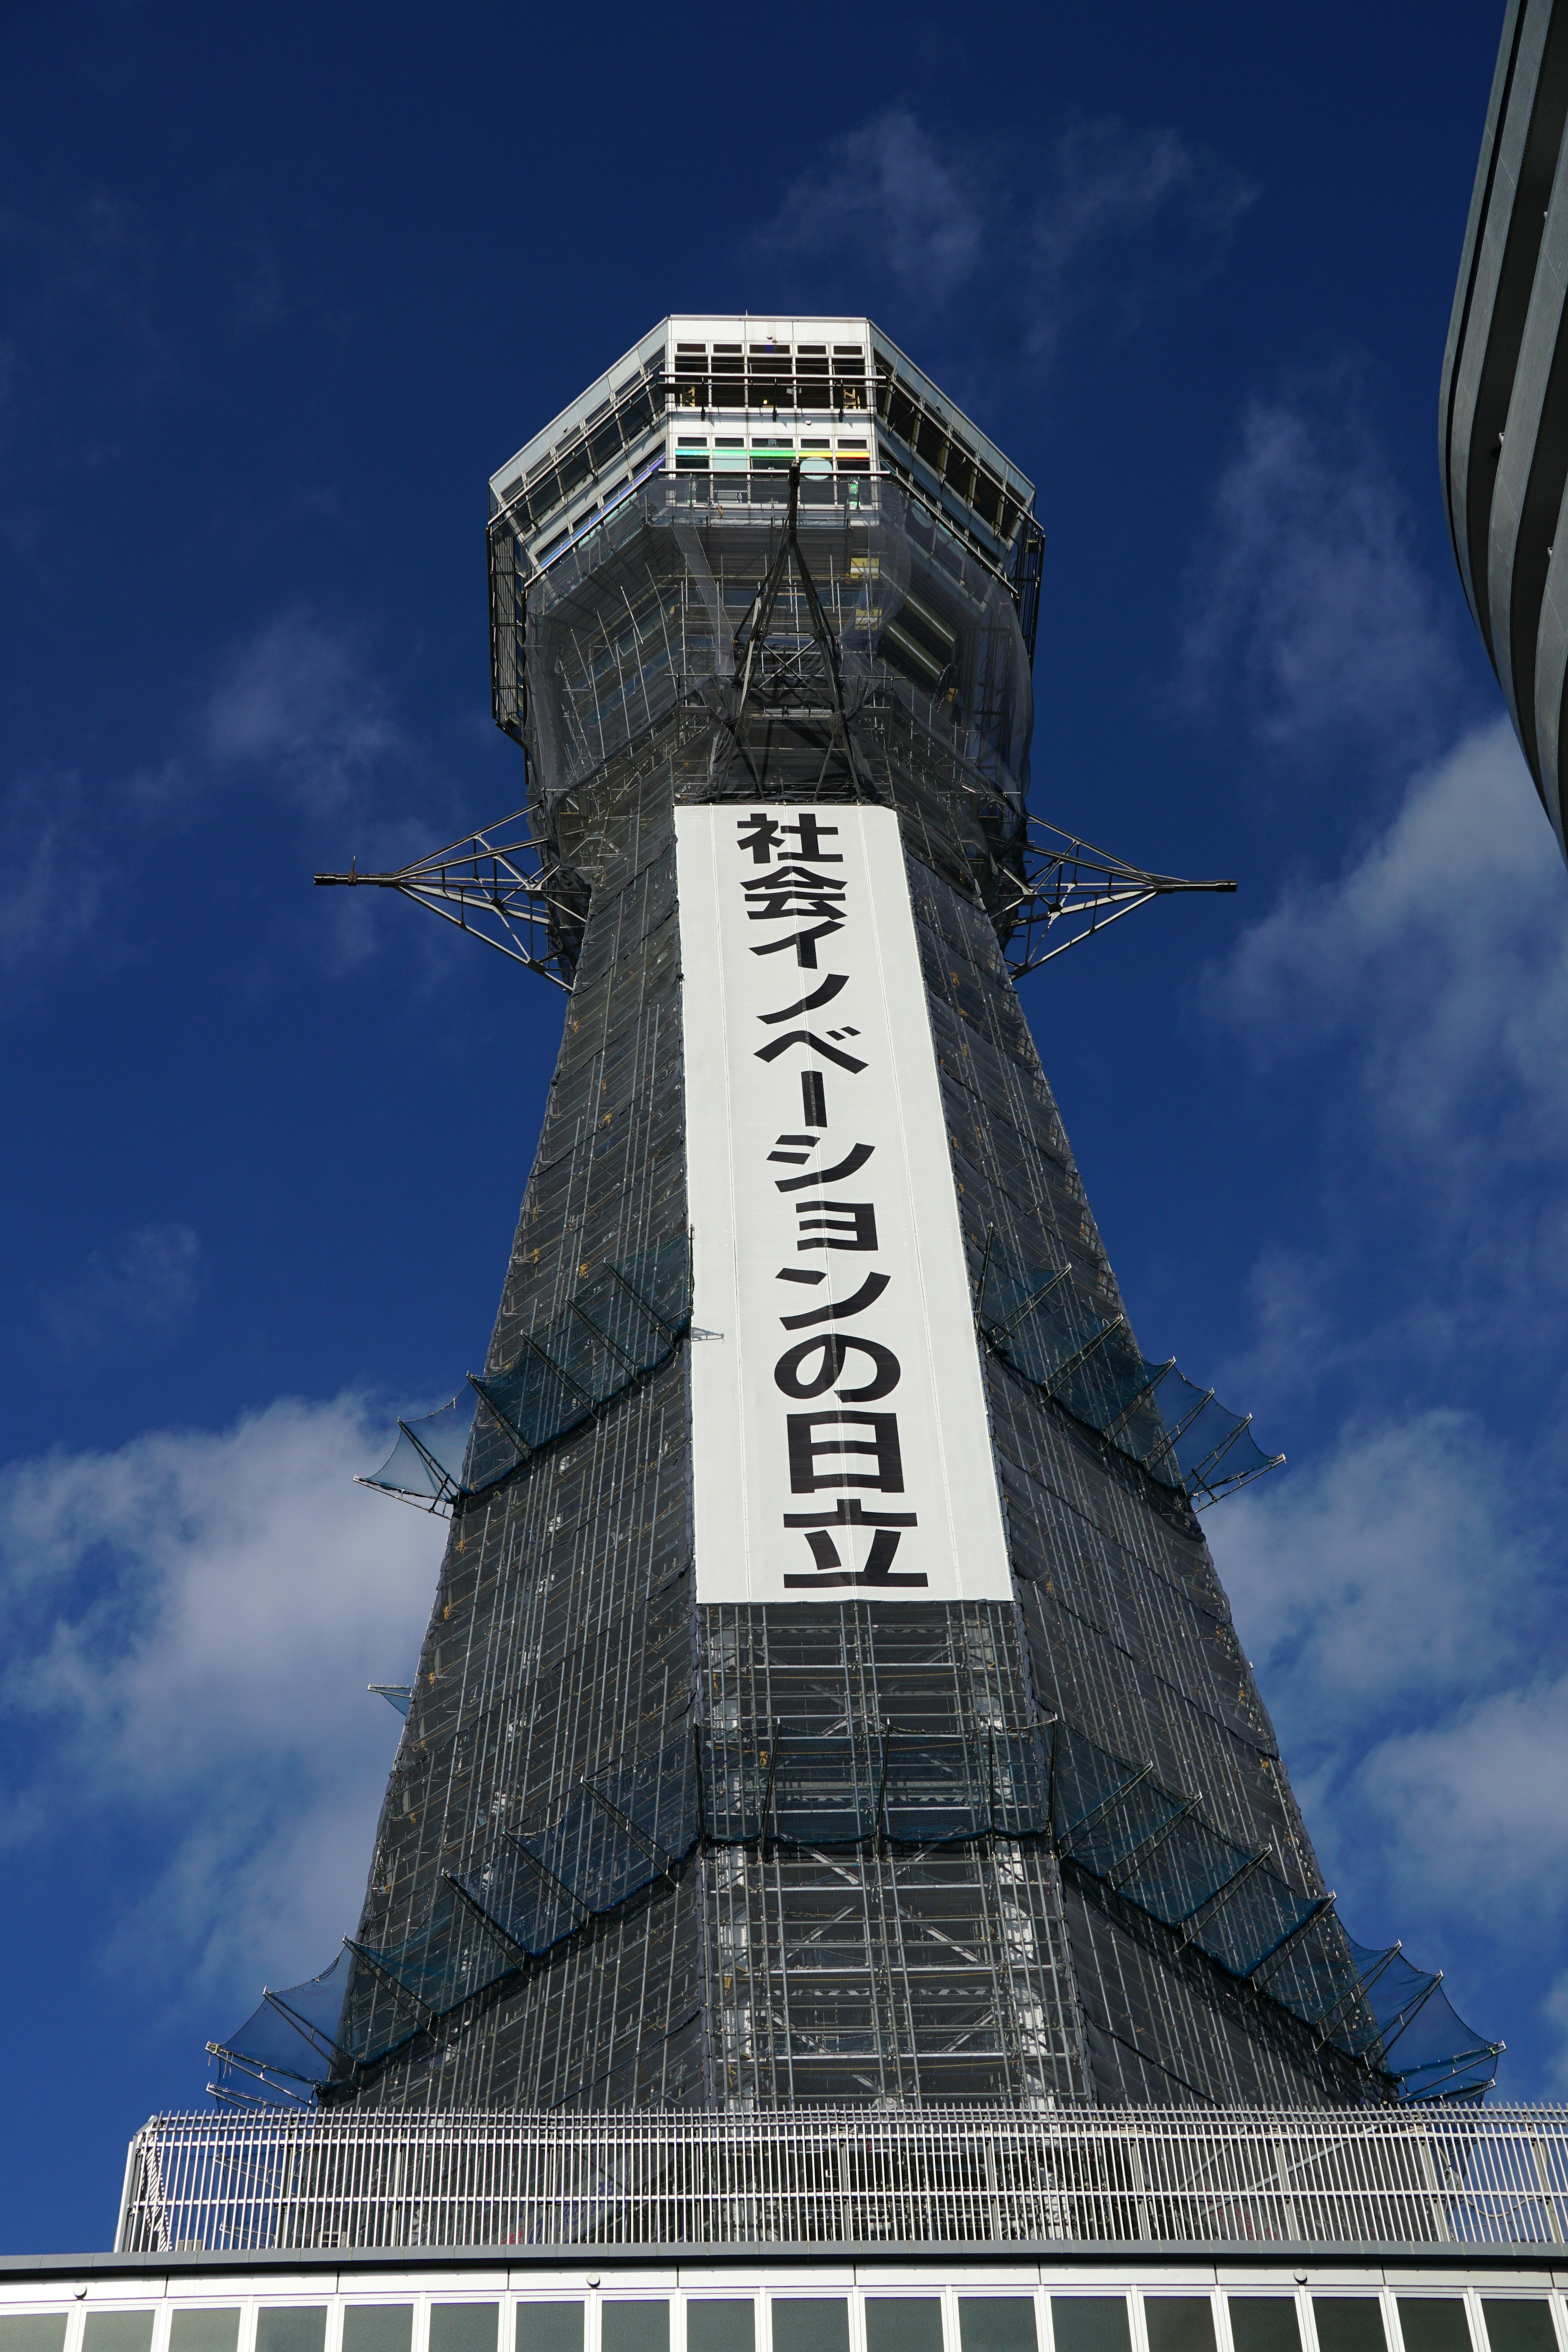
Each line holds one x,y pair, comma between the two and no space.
1308,603
1359,1575
1400,1601
1555,2009
145,1283
53,878
298,702
195,1619
1441,954
936,215
1434,973
911,203
1477,1808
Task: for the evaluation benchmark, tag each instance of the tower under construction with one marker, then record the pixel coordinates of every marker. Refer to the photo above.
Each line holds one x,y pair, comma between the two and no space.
829,1697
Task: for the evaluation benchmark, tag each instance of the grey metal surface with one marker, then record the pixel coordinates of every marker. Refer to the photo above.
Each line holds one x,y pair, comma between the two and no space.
1503,419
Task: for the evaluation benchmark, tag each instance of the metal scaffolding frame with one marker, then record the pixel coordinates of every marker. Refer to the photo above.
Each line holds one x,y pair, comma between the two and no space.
804,637
968,2178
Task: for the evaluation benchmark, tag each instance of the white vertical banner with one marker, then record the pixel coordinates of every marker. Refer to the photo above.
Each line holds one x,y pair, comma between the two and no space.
839,1441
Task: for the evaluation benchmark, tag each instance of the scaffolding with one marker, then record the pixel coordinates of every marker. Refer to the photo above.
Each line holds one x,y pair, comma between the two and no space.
635,1853
970,2178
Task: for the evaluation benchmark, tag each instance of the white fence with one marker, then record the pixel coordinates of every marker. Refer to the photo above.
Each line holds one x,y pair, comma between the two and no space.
1146,2177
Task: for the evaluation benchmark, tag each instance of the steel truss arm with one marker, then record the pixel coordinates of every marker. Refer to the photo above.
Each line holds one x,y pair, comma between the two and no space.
1071,890
495,884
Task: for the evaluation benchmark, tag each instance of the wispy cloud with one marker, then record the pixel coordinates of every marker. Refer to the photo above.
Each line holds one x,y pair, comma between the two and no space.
193,1620
1043,234
1310,614
298,706
54,876
1401,1599
1433,974
141,1287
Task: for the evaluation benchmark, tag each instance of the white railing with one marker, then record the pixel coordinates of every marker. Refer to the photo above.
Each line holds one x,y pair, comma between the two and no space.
987,2175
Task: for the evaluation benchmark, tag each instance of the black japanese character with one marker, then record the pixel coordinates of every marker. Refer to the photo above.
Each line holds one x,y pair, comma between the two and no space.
836,1310
760,834
878,1567
886,1471
822,995
855,1159
811,832
843,1225
830,1349
803,942
849,1511
777,1045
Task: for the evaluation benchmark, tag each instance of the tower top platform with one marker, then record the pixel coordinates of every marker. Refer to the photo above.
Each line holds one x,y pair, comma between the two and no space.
743,393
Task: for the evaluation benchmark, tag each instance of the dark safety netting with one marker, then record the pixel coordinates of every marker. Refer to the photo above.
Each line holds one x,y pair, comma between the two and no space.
636,1820
286,2046
623,1322
1076,1349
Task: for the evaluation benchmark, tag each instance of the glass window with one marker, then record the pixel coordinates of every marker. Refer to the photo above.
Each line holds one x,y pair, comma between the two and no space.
119,2331
1265,2323
721,2326
811,2324
636,2326
204,2331
996,2323
1349,2323
34,2331
302,2329
378,2326
1522,2324
464,2326
904,2323
1089,2323
548,2327
1179,2323
1434,2323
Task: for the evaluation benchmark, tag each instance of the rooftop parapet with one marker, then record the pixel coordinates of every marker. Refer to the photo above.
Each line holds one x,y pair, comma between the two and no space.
1179,2178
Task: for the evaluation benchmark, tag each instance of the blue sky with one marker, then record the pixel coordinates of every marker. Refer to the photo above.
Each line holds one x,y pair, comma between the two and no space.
280,289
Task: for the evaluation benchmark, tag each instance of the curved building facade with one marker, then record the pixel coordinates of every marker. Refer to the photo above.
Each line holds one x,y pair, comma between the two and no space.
1503,425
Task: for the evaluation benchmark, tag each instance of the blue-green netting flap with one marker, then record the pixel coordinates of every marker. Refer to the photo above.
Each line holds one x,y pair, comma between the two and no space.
1125,1825
826,1790
1240,1459
735,1776
494,1451
662,1280
447,1959
440,1438
1011,1282
627,1324
293,2033
1315,1981
587,1363
1437,2056
531,1911
1053,1331
1084,1775
937,1790
1254,1921
590,1853
1020,1783
535,1398
1425,2043
1107,1381
654,1789
1186,1871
